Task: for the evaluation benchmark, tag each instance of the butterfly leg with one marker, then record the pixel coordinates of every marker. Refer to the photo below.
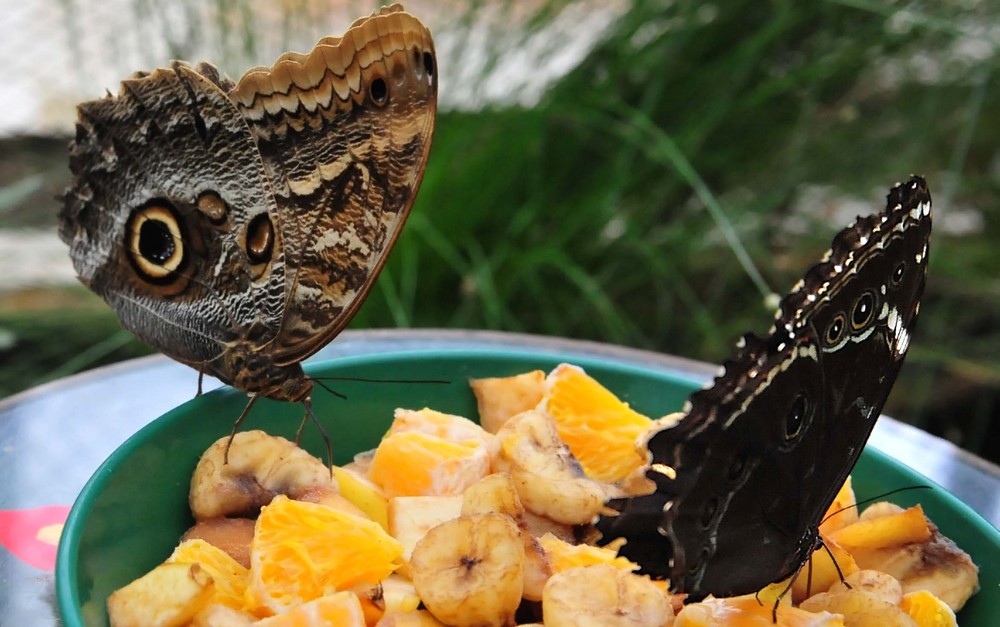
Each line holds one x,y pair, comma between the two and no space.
236,426
836,566
310,416
788,588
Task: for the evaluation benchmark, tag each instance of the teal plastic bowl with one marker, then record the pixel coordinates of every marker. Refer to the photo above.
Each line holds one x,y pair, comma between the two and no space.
131,513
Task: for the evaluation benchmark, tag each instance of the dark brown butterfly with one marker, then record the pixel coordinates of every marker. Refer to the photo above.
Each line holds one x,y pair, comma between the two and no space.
761,453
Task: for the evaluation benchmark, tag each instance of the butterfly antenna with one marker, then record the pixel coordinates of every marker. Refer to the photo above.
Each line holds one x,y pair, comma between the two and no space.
877,497
368,380
339,395
236,426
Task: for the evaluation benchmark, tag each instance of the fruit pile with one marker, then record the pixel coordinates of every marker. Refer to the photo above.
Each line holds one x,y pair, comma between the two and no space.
449,522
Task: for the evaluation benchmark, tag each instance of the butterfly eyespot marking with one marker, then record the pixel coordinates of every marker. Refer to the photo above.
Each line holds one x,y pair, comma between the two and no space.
864,311
898,273
379,91
796,417
260,239
835,330
155,242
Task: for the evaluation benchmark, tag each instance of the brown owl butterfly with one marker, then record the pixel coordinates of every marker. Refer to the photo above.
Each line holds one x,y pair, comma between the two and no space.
761,453
237,227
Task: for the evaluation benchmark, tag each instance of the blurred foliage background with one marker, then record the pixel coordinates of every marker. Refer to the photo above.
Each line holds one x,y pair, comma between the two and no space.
644,173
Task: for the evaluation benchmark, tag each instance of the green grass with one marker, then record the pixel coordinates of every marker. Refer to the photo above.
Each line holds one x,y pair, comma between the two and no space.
645,199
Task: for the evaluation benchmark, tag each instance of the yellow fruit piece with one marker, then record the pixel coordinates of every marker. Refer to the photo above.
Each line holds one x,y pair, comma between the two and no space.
303,551
748,612
908,526
598,428
167,596
412,463
499,398
823,573
842,512
364,494
230,576
563,555
341,609
928,610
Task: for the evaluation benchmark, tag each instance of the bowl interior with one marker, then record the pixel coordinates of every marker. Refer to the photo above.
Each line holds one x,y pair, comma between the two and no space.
133,510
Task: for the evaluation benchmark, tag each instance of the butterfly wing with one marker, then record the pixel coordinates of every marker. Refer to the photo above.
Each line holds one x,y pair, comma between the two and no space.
762,452
344,133
166,180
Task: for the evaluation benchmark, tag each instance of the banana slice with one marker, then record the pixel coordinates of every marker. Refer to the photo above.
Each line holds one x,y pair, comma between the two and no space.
496,494
604,596
470,570
547,477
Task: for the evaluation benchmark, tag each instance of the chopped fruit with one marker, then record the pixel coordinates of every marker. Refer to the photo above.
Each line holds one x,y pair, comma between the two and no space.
928,610
547,477
470,570
843,511
604,595
598,428
342,609
563,555
821,571
302,551
748,612
499,398
416,618
412,463
411,517
893,530
232,535
364,494
167,596
230,576
445,426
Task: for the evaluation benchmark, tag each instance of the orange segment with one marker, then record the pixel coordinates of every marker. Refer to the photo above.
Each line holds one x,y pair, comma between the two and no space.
928,610
413,463
563,555
229,575
342,609
597,427
445,426
746,611
303,551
